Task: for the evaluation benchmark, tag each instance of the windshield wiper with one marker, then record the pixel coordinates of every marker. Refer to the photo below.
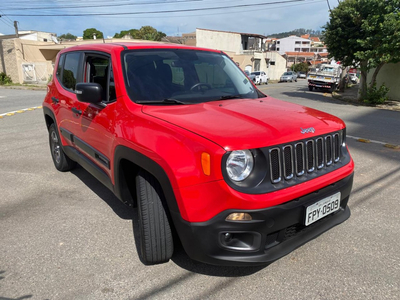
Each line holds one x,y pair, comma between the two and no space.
226,97
165,101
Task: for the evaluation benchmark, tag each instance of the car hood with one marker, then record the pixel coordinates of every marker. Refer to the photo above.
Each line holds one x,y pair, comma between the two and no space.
247,123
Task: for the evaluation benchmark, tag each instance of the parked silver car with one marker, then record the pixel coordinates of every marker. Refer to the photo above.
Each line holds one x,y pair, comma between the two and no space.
289,76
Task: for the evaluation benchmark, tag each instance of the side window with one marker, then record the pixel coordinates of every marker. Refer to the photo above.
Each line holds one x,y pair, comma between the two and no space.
70,73
98,70
60,67
178,76
212,74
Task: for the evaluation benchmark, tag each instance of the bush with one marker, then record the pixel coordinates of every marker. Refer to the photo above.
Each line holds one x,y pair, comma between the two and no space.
4,79
377,95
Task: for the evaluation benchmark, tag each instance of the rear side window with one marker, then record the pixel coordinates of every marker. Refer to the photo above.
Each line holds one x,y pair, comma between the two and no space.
70,72
60,67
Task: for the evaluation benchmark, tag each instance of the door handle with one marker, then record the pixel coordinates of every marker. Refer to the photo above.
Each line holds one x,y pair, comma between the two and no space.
55,100
77,111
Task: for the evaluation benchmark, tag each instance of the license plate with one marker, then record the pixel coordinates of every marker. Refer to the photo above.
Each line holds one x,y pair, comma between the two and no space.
322,208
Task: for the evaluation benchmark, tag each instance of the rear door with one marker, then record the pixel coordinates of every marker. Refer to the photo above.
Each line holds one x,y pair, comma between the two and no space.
64,100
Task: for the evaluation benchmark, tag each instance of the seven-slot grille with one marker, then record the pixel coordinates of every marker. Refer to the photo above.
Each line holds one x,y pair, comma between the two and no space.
300,158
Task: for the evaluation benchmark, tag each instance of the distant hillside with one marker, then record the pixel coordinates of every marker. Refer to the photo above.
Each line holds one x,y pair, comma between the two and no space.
298,32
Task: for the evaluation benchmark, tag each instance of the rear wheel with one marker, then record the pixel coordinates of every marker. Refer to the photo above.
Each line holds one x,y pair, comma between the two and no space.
156,242
61,161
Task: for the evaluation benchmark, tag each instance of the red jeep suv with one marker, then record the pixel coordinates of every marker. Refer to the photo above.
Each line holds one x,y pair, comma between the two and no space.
182,135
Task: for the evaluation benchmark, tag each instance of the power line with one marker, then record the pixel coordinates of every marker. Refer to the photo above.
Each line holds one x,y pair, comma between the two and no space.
219,13
156,12
6,23
103,5
6,19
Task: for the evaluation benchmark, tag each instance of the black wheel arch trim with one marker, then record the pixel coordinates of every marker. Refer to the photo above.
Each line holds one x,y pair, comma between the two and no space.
147,164
48,112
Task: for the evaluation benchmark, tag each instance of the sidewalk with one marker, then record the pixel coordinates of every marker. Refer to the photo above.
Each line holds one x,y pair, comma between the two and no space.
25,87
350,95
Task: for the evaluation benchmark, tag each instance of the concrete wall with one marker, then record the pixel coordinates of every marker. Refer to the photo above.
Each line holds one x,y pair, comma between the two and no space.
8,59
224,41
389,75
275,71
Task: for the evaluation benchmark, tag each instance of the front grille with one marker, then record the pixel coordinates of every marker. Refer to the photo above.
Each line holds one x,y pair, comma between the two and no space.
304,157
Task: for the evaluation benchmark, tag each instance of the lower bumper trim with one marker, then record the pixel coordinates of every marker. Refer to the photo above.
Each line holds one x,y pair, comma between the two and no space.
273,233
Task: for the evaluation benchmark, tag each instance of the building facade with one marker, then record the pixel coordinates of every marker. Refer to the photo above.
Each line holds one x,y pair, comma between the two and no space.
293,44
248,50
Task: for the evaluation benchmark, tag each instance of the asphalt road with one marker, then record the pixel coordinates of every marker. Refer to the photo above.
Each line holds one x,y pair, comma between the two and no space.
65,236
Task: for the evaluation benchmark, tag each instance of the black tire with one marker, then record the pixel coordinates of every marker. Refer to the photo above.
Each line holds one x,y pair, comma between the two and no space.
156,242
61,161
310,88
333,88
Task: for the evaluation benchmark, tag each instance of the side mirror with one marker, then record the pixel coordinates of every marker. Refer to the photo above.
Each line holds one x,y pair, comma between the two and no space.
89,92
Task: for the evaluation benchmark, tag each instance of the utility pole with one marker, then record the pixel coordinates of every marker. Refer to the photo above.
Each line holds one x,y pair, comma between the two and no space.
16,29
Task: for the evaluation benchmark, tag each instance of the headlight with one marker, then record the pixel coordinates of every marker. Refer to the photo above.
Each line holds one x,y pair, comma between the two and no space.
239,165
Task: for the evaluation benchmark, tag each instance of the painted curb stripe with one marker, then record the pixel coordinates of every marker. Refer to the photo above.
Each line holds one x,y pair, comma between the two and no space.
11,113
362,140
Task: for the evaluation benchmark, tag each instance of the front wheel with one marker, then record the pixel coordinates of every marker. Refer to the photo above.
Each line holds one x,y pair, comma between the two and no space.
310,88
156,242
61,161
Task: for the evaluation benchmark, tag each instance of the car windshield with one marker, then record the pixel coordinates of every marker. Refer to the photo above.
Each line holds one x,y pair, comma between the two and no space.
328,69
287,73
255,73
181,76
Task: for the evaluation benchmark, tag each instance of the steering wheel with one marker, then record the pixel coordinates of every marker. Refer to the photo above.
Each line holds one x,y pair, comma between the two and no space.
199,86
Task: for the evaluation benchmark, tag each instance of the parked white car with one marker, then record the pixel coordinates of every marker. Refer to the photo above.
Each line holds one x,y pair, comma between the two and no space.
260,77
250,76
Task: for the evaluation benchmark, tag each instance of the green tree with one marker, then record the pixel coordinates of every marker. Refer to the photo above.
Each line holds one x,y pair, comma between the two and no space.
132,32
364,33
67,36
90,32
144,33
300,67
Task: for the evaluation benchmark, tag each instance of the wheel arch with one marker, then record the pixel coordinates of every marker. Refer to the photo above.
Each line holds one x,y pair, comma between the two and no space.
49,117
127,164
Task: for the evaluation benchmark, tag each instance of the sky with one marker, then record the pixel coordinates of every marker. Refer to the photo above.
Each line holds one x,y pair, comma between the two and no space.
172,17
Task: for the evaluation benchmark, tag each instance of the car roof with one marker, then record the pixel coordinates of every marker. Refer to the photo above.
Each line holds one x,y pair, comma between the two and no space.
120,46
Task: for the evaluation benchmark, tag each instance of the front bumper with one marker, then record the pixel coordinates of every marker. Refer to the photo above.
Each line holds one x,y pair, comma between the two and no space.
273,232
